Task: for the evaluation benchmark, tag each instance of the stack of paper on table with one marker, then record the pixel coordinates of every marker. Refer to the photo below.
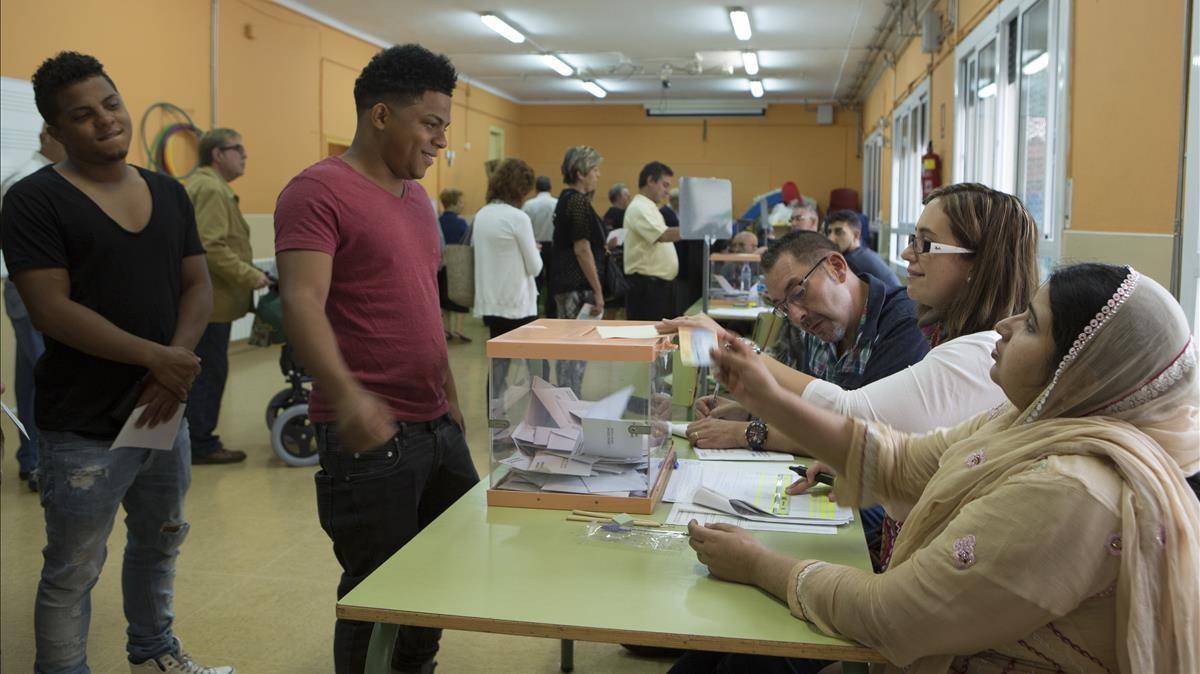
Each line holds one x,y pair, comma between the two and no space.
741,455
752,496
577,446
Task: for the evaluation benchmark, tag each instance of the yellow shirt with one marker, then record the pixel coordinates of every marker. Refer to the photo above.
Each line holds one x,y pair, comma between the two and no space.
644,254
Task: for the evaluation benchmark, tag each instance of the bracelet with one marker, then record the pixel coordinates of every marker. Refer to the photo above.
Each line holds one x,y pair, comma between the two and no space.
754,347
800,583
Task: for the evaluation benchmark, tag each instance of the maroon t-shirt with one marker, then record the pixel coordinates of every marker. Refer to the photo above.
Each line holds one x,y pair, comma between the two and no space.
383,295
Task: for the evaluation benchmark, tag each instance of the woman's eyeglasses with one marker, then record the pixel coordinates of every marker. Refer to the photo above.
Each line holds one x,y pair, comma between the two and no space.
923,246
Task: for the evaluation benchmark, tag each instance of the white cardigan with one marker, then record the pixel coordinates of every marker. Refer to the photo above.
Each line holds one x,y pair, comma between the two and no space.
506,262
949,385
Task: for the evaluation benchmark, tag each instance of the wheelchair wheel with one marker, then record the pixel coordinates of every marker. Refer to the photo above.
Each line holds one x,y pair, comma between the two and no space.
294,438
281,401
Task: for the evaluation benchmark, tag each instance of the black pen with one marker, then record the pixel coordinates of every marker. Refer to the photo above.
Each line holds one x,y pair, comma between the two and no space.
802,471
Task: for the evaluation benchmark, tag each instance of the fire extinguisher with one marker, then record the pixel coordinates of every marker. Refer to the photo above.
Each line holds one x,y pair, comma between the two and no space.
931,171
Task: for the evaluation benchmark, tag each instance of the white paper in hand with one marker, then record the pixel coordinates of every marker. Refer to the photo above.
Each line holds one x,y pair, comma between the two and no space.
161,436
16,422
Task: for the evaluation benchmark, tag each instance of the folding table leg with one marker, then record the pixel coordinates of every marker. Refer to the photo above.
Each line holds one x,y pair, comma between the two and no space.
567,661
379,651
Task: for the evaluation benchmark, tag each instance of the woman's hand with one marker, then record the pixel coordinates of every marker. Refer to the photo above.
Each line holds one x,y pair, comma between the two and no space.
730,553
810,479
717,434
744,374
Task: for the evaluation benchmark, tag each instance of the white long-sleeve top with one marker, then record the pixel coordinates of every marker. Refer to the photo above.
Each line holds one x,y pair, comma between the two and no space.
506,262
948,386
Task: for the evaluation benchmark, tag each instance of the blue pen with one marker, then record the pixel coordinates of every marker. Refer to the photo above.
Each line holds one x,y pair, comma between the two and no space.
802,471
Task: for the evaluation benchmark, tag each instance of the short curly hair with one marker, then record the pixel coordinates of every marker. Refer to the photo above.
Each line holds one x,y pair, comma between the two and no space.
401,75
59,72
510,182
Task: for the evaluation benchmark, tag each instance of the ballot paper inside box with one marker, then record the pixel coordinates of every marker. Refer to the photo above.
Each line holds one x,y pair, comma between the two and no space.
578,417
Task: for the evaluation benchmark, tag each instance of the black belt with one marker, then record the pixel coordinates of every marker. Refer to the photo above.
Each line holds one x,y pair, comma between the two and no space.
413,427
649,279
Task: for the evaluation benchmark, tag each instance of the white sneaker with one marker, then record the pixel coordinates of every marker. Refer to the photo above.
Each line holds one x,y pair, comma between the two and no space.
180,663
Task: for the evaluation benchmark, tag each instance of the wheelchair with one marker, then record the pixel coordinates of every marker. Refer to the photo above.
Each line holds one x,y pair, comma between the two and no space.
293,435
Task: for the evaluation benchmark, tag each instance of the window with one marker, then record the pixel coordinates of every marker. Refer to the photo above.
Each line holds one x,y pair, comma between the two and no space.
872,178
1189,253
1010,122
910,138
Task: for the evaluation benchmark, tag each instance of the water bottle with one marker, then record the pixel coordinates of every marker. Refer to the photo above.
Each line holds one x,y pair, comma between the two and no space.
760,287
744,285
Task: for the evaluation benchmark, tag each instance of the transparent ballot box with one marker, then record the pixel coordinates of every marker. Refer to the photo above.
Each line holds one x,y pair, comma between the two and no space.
735,279
578,417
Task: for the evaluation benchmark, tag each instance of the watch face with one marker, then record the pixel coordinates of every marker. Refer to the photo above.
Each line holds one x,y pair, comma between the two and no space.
756,434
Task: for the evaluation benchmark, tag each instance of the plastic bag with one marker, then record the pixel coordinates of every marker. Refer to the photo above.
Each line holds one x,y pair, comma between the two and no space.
638,537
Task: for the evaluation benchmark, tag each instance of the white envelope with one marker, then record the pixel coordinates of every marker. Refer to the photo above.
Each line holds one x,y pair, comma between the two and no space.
547,462
610,438
161,437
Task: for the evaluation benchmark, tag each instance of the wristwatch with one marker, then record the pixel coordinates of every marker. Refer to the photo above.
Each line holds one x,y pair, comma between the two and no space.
756,434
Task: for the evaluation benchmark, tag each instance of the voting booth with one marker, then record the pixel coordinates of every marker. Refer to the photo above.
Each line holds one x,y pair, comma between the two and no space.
578,416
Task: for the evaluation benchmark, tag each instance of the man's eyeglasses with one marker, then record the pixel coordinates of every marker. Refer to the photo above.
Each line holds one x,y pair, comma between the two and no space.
239,148
922,246
795,296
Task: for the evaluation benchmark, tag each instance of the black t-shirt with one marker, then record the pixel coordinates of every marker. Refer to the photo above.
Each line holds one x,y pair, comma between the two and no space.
669,216
133,280
614,218
574,219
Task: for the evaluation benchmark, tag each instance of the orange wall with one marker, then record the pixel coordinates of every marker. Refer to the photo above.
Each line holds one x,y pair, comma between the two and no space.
757,153
138,41
286,83
1123,122
1124,116
474,114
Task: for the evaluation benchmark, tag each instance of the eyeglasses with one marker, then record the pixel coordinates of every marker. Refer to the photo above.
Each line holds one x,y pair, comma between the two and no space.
239,148
795,296
923,246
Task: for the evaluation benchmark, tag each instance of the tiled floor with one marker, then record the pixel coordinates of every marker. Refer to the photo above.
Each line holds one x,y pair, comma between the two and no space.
255,581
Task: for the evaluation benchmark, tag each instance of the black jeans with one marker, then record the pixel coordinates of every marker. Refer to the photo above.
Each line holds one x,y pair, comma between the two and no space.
543,280
371,503
204,400
650,298
497,326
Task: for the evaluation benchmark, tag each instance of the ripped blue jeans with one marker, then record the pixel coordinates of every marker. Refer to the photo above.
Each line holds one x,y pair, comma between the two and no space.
82,484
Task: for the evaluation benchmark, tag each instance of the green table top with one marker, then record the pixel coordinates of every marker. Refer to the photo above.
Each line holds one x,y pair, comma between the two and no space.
530,572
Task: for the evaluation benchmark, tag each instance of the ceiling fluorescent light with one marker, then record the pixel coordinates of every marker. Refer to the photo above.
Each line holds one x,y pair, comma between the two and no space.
497,24
1037,65
750,61
741,22
988,90
560,66
594,89
726,108
756,88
